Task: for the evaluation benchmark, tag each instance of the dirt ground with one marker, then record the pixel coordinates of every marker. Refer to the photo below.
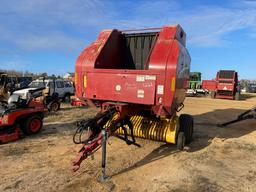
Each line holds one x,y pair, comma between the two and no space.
218,159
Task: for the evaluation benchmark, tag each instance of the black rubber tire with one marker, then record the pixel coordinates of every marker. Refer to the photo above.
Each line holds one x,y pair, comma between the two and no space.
26,126
187,126
54,106
67,98
181,140
213,94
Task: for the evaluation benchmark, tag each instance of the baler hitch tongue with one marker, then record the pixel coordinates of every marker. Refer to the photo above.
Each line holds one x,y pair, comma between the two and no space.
249,114
93,134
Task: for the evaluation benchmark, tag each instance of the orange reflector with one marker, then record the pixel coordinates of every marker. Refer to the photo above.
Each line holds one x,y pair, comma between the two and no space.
173,84
85,81
76,79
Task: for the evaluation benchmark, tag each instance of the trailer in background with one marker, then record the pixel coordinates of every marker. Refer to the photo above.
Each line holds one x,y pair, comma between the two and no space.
227,86
210,85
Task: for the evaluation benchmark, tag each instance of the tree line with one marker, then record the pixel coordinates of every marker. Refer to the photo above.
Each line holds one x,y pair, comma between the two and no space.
15,73
245,82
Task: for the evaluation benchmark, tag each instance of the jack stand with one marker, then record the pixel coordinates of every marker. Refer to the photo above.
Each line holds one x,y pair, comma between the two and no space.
104,177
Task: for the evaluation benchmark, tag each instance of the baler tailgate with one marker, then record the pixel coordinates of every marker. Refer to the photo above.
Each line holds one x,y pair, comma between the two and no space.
132,88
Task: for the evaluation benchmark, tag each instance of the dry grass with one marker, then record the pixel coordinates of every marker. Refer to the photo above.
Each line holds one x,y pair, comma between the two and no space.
69,113
217,159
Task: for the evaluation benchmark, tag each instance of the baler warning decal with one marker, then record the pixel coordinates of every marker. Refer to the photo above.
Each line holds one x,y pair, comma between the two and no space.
160,89
140,78
140,93
150,77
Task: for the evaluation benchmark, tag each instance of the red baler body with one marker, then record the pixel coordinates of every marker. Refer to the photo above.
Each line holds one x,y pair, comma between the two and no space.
148,69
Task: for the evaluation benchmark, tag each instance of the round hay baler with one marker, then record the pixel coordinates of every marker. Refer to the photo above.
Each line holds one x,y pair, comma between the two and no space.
139,79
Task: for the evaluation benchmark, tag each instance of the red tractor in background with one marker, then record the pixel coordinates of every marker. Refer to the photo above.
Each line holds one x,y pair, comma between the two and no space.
20,115
23,113
225,86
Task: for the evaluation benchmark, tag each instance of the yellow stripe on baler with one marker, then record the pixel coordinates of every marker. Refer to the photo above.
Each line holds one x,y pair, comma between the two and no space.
85,81
76,79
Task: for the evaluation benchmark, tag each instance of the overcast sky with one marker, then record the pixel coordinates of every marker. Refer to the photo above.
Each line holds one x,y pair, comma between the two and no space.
48,35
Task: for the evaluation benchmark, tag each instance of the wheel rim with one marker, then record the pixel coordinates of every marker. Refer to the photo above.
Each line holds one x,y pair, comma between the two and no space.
35,125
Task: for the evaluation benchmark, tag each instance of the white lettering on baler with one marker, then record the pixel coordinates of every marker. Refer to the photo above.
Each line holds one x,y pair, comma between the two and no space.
140,78
147,84
151,77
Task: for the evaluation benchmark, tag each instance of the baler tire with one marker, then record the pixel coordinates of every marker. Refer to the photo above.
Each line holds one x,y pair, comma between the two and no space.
35,121
187,126
181,140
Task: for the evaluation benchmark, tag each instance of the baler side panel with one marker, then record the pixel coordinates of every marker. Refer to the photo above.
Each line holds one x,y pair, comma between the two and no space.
110,54
130,88
170,56
183,71
158,62
80,73
181,74
87,60
170,76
